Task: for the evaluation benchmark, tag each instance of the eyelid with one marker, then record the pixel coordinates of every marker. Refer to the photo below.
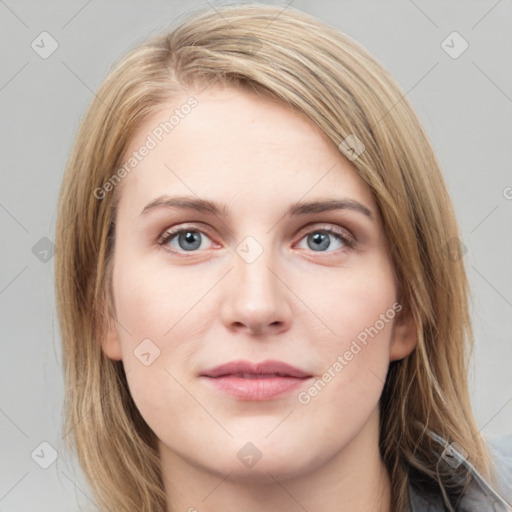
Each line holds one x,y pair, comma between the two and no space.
170,232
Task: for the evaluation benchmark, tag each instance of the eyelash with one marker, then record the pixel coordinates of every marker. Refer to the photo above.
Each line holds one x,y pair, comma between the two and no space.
348,240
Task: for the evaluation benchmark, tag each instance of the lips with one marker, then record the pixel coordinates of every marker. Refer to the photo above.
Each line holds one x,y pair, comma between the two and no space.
248,370
255,381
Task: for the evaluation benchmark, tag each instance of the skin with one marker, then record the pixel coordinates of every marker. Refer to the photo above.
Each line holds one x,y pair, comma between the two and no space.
296,304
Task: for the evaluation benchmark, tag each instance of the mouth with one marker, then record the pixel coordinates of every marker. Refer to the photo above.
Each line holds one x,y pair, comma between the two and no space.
256,381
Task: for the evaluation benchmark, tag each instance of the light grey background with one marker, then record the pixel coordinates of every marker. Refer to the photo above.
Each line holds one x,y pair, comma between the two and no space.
465,105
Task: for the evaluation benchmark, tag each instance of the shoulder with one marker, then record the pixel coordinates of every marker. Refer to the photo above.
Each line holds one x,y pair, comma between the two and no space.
501,451
479,495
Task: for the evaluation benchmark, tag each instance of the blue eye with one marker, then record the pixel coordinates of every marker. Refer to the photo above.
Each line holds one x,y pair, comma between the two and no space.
190,239
319,240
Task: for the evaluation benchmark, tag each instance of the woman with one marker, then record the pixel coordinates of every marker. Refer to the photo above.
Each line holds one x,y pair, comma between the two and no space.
260,293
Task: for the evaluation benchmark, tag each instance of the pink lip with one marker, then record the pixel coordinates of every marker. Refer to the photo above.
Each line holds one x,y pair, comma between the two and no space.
256,381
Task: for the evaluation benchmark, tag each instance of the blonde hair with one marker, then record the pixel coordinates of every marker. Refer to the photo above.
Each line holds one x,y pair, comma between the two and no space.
335,82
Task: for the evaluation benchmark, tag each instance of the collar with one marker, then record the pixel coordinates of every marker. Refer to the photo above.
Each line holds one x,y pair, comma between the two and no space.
479,495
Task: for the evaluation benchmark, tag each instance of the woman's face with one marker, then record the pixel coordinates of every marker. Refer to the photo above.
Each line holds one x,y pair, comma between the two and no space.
265,277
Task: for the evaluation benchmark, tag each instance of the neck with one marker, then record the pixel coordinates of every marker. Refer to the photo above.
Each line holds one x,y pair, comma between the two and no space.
354,479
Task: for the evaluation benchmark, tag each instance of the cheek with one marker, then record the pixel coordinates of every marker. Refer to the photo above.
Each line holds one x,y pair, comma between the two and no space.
358,316
153,302
341,399
356,305
157,338
157,313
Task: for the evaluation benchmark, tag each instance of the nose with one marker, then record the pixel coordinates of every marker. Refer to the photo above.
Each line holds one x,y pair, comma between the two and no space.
257,300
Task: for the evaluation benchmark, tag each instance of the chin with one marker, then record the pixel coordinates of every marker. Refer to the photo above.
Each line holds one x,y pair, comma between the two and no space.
260,461
268,470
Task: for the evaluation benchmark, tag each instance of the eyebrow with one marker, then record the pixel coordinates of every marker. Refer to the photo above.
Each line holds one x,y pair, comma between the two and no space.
222,210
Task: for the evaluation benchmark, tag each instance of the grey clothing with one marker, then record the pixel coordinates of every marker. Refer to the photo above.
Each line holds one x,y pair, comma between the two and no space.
479,495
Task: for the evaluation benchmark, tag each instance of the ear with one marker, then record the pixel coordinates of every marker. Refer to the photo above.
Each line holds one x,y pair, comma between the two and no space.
110,341
404,336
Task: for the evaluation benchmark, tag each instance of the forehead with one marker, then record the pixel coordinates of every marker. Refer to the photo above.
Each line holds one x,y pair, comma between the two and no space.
233,142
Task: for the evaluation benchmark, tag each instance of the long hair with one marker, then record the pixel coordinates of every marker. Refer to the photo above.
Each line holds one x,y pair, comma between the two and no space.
334,81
